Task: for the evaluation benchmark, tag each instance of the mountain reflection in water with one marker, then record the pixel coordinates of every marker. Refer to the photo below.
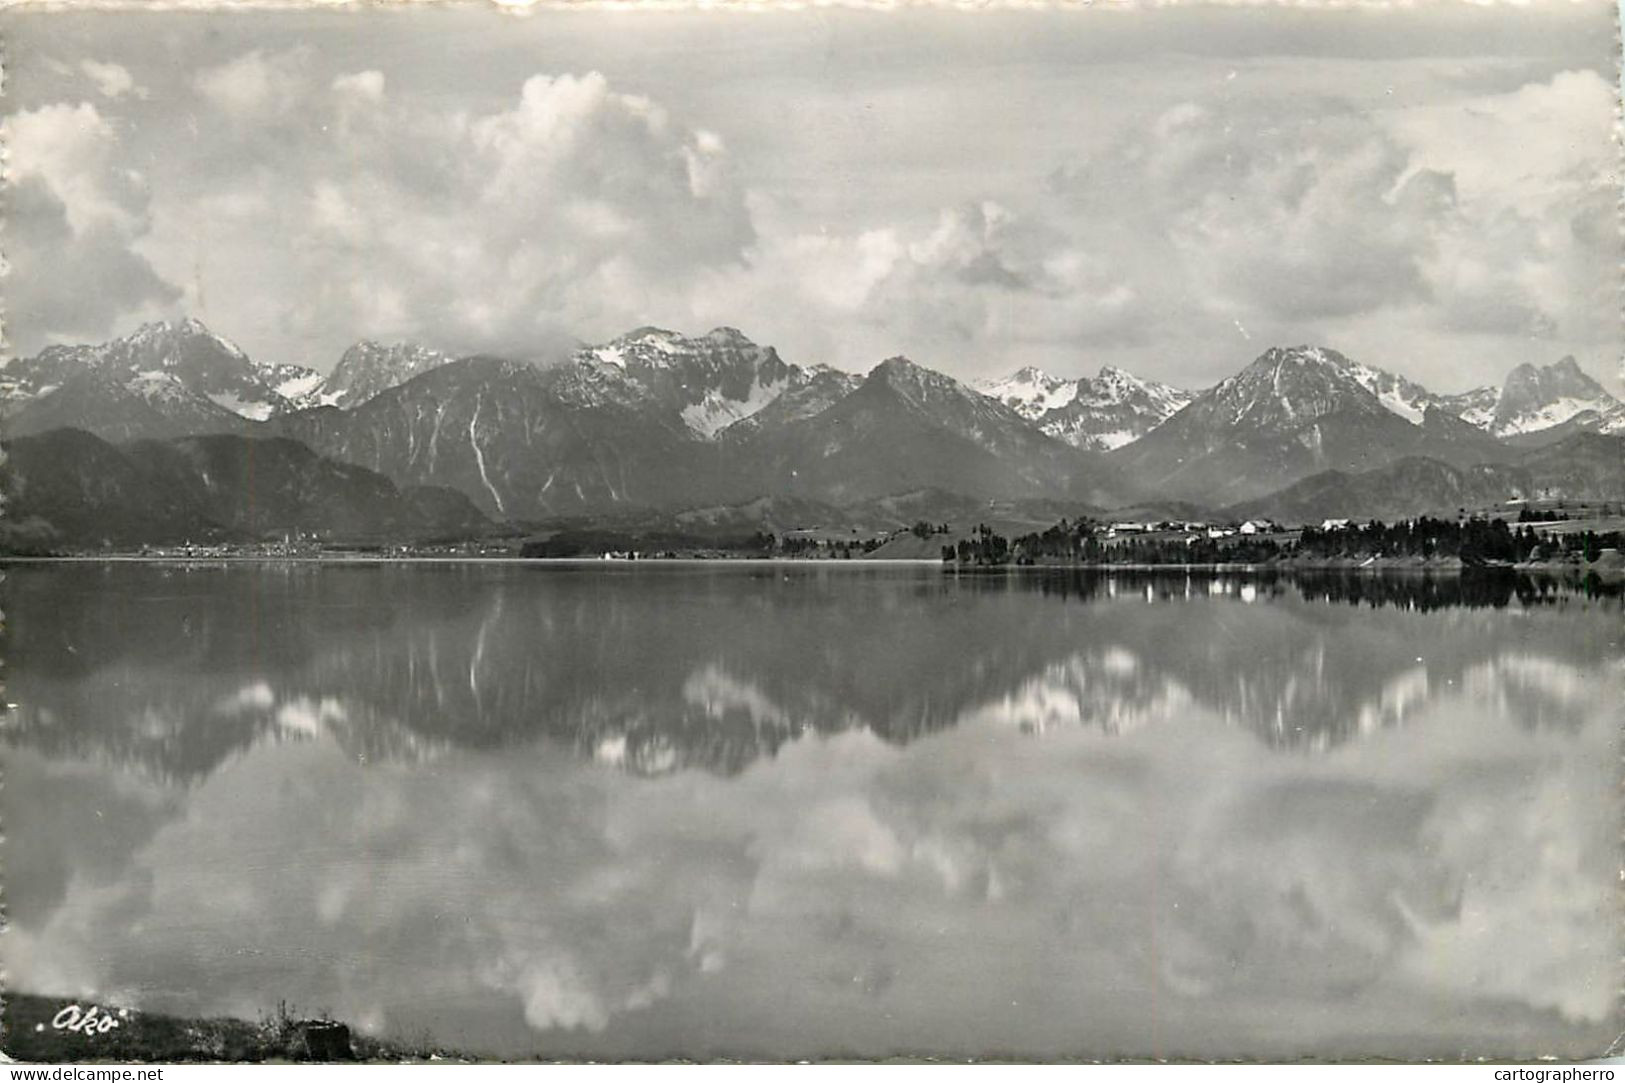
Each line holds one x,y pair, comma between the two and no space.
794,810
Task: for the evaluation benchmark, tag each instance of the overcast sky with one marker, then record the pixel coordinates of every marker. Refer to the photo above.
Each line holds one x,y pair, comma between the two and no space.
1431,190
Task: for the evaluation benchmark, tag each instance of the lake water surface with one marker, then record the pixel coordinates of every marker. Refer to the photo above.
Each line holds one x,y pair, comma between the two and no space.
787,811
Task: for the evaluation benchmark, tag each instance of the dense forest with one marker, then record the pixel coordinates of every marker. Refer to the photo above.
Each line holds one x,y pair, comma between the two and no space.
1472,541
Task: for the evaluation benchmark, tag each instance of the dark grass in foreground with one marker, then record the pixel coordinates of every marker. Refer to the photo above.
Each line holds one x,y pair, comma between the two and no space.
29,1032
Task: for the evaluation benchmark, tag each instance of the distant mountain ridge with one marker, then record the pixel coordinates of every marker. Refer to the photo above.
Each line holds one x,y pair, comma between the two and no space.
1294,412
187,378
1532,399
721,378
179,378
608,434
500,432
1405,488
1586,466
908,427
657,421
69,487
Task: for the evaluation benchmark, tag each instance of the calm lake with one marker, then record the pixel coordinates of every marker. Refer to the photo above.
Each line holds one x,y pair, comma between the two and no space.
813,810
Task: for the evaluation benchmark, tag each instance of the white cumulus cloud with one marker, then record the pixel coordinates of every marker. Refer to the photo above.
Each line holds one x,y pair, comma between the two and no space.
111,80
572,205
75,218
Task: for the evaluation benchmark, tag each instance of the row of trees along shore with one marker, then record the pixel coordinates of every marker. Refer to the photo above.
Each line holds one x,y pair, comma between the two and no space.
1471,541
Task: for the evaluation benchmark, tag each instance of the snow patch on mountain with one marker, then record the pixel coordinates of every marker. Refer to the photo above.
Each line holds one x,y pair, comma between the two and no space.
298,385
1030,392
1476,407
157,386
253,411
1116,438
1398,395
715,412
1545,416
1113,386
479,457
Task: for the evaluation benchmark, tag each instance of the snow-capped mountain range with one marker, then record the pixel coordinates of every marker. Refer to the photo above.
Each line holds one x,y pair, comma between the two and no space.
716,380
181,371
1116,408
657,418
1533,399
1294,412
710,382
1102,413
181,378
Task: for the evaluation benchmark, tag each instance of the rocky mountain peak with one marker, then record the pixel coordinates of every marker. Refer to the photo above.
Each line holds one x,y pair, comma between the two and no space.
1286,387
703,384
1536,398
926,388
370,367
898,363
1560,377
1304,356
1114,384
900,372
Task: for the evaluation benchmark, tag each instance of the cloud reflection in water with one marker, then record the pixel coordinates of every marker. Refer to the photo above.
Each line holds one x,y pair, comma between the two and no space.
974,820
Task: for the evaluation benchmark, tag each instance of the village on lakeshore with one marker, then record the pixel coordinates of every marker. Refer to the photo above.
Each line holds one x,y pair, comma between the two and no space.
1552,535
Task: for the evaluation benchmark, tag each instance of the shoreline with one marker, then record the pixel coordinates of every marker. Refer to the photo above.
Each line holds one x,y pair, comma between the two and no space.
1377,565
596,562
